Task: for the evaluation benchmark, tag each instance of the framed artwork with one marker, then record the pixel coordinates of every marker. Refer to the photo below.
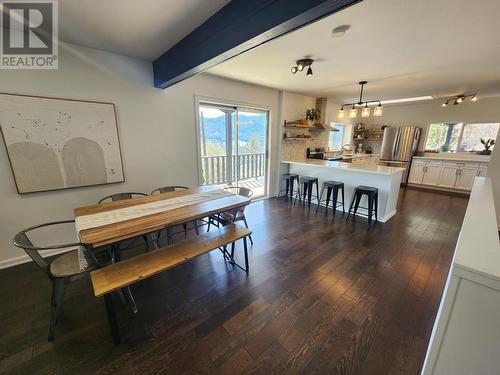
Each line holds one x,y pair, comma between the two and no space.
55,143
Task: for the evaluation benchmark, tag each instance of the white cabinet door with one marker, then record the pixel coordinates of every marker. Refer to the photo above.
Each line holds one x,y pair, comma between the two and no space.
465,178
482,172
431,174
448,177
416,173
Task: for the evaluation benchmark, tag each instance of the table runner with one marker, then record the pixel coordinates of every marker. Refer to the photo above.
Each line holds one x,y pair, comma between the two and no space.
133,212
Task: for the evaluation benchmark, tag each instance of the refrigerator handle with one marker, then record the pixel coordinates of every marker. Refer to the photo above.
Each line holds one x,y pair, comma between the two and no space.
396,144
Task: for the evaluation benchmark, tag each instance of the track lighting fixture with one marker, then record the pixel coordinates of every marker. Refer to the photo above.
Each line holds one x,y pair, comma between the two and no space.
459,99
365,112
301,65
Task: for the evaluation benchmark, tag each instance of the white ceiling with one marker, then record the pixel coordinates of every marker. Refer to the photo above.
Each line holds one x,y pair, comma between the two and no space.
404,48
143,29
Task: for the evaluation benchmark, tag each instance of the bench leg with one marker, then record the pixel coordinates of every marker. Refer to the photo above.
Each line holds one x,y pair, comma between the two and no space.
113,324
245,247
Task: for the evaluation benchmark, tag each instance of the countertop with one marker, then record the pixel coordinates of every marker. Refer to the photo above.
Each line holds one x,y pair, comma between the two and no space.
456,157
362,168
478,248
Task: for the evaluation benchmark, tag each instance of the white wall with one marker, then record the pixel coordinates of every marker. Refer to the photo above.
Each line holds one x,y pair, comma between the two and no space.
156,127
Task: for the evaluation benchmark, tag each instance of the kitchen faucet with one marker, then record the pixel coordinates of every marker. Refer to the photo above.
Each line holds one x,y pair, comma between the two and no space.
346,147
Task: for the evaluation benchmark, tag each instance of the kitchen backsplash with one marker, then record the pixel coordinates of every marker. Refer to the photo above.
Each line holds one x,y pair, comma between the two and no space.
295,149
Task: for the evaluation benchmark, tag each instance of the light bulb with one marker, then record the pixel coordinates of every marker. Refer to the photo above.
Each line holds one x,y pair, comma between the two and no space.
300,67
460,99
353,112
444,104
365,112
341,113
294,69
378,111
474,98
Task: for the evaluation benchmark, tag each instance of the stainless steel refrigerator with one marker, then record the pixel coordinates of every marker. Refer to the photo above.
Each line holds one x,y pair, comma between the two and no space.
399,145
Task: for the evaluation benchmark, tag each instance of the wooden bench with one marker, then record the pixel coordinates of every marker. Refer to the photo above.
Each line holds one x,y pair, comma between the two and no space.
116,276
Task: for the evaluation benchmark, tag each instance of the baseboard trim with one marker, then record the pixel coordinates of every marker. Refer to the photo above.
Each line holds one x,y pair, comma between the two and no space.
25,258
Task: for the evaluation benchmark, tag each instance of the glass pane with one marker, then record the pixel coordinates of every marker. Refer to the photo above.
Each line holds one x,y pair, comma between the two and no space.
471,138
335,142
214,145
252,135
443,137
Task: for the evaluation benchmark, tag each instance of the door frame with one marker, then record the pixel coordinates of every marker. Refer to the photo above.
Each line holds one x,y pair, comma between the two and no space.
232,103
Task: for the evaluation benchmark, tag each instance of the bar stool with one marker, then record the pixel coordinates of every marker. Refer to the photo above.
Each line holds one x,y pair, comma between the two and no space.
305,188
289,178
332,187
372,194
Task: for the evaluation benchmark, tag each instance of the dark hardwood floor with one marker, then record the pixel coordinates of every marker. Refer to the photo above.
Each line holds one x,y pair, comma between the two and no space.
323,296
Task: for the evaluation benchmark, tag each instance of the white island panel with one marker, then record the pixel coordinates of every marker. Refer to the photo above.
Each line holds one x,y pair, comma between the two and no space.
386,179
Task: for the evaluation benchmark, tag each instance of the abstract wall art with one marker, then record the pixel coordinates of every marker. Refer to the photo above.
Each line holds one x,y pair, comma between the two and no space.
57,143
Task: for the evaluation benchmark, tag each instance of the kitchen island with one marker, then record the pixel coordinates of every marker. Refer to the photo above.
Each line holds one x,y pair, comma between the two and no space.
386,179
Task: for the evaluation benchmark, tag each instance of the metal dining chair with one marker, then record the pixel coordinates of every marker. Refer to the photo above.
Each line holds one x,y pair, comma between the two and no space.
61,270
120,197
170,189
228,217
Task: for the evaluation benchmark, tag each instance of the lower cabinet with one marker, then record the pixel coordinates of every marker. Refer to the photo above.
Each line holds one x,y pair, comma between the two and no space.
445,174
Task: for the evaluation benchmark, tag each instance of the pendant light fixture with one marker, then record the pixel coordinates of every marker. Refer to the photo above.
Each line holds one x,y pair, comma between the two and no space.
365,112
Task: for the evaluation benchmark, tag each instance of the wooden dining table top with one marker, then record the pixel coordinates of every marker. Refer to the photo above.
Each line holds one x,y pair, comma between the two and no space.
122,230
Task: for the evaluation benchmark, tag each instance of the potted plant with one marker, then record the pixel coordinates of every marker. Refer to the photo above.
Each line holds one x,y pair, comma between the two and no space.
487,145
312,115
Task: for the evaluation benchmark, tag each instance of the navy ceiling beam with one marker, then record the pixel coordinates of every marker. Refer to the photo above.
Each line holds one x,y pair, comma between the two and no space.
238,27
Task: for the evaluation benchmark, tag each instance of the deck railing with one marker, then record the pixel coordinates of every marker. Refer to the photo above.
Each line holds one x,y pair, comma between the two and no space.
218,170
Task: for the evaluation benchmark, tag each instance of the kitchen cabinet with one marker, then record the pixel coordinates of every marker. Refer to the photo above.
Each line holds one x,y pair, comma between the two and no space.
465,178
416,173
482,170
432,172
446,174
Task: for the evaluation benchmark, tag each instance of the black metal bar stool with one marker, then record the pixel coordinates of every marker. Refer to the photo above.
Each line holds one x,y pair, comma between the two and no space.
332,187
305,188
372,194
289,178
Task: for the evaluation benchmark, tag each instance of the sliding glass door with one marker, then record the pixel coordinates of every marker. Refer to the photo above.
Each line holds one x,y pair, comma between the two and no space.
233,146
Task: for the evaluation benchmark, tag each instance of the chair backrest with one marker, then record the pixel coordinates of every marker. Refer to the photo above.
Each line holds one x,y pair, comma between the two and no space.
22,241
121,196
168,189
240,190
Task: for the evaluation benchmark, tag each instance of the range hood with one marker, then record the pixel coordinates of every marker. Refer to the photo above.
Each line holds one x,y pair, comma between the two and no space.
321,125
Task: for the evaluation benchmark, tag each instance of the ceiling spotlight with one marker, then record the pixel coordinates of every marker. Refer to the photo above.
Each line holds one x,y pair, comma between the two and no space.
445,104
474,98
459,99
456,102
340,31
301,65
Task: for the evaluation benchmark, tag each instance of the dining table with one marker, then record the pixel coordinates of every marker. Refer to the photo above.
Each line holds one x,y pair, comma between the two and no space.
105,225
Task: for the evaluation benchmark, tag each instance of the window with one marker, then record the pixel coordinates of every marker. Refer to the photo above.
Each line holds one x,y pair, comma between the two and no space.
335,141
472,134
459,137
